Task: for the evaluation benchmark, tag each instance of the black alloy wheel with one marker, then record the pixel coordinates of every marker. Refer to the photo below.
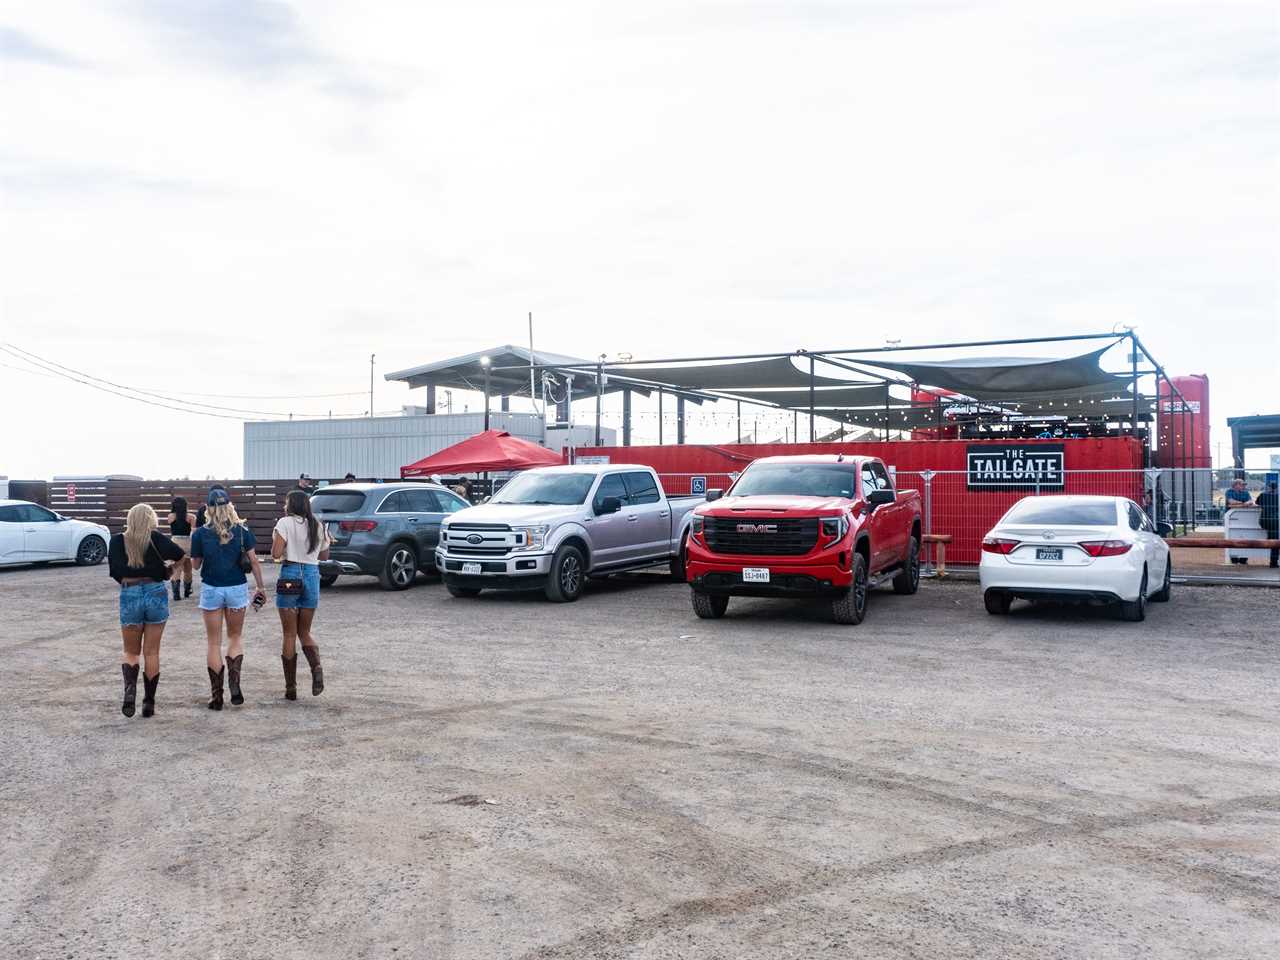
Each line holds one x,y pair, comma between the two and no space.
92,551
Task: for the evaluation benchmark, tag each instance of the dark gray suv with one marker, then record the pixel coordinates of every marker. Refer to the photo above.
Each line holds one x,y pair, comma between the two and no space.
383,530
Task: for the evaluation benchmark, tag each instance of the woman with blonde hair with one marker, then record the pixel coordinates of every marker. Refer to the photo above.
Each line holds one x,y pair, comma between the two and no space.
136,560
219,550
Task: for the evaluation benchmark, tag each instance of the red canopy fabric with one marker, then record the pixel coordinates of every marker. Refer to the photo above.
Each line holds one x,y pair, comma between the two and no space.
493,451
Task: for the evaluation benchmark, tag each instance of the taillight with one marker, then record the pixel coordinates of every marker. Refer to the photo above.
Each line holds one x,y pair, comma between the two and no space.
996,545
1105,548
357,526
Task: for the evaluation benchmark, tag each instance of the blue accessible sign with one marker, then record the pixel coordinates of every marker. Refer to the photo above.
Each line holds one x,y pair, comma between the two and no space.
697,485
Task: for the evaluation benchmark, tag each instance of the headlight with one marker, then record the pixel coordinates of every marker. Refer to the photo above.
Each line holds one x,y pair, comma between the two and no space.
532,538
695,526
834,529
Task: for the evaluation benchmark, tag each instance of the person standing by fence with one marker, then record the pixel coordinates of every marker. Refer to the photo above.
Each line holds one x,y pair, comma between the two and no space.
1269,501
221,550
180,520
136,560
299,541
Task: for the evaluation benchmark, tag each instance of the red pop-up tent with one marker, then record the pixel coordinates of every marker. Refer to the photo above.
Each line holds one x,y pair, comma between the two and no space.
492,451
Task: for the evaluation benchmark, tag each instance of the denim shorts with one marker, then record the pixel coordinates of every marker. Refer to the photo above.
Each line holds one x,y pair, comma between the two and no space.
309,598
219,598
144,603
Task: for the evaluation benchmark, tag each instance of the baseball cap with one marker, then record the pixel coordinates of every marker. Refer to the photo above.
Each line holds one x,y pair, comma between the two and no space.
218,497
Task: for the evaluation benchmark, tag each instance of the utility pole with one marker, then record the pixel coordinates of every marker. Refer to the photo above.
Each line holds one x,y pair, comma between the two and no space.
371,356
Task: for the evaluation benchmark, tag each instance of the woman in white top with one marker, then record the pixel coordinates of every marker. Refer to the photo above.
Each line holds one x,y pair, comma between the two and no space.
299,542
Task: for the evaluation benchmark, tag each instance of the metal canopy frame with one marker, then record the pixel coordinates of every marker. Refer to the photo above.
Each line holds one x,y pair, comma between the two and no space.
857,359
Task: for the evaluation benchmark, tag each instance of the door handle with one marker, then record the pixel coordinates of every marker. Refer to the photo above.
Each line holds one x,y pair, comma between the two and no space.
664,514
633,519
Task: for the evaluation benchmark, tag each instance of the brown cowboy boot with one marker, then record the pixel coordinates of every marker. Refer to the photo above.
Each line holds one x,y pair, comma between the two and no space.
149,694
312,654
215,684
233,679
130,672
290,676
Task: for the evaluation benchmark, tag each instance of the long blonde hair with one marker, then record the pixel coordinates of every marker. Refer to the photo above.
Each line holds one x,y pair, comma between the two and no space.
223,520
138,527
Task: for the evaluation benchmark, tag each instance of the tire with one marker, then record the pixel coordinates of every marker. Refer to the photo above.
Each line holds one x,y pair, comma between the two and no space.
678,570
329,581
567,574
91,551
457,591
851,608
1135,611
997,603
908,581
709,606
1166,591
399,567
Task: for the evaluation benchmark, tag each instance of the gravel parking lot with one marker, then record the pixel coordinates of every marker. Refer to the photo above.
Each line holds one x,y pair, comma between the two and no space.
933,783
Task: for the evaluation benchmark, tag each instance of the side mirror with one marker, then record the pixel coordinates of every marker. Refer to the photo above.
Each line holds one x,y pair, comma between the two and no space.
1164,529
608,505
713,495
879,498
486,499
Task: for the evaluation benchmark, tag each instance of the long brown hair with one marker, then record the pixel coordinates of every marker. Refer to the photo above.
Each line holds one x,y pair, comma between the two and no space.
298,504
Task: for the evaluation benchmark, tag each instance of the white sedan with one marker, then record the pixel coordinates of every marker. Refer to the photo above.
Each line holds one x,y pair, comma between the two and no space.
1075,548
31,534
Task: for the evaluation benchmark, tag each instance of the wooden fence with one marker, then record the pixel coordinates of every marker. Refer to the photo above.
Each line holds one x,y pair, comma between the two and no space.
259,502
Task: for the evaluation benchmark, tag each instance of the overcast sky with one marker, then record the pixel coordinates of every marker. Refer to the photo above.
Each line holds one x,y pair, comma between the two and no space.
251,197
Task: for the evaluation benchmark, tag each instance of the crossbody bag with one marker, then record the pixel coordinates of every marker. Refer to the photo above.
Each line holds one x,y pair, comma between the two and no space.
288,586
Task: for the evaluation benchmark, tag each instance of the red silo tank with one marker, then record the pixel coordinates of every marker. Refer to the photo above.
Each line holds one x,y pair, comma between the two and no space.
1182,432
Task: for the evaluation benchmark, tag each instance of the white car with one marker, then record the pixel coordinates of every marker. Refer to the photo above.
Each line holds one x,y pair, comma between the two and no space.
31,534
1101,549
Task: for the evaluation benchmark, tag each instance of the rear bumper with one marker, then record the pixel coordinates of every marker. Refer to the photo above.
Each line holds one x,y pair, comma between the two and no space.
1106,578
353,561
787,578
1042,593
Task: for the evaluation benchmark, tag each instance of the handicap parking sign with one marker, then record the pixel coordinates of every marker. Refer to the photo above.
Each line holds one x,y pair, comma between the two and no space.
698,485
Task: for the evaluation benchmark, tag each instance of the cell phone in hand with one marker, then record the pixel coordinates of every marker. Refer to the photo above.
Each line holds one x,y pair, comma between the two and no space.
259,600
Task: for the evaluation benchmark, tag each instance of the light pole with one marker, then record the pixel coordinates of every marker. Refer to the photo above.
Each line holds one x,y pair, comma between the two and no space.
371,356
484,365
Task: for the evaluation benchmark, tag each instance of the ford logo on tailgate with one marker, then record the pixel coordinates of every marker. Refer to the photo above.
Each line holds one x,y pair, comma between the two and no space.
474,538
757,528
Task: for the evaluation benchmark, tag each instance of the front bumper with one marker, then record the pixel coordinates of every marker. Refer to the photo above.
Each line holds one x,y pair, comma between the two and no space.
515,566
787,577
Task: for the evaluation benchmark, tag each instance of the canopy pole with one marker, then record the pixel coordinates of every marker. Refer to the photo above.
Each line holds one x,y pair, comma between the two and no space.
811,398
1133,357
626,417
659,416
486,396
679,418
739,424
599,399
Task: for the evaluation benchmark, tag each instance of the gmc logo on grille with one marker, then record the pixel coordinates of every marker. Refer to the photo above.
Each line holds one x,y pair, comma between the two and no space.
757,528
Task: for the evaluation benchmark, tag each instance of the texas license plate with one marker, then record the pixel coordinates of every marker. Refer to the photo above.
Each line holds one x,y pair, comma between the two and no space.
755,575
1048,553
471,568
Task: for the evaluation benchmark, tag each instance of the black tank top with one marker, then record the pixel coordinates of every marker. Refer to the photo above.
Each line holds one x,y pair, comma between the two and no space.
181,527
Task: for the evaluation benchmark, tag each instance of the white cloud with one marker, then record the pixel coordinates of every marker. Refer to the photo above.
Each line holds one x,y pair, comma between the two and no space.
253,198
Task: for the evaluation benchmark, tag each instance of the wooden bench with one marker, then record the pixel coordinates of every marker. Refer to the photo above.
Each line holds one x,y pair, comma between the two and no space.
941,539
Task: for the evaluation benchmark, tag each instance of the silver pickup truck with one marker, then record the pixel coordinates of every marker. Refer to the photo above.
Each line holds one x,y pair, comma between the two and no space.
551,528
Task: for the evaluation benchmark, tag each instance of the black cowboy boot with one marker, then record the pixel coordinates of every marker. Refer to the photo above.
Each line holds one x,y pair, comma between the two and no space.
149,685
177,594
215,684
312,654
233,679
290,676
186,589
130,672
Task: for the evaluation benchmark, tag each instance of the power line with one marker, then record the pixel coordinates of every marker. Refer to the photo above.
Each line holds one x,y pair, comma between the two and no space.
71,373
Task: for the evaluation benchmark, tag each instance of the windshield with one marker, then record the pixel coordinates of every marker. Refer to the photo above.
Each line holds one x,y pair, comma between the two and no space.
796,480
562,489
1051,510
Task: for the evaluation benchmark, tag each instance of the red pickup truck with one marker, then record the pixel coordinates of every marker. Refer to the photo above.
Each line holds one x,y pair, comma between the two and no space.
811,526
